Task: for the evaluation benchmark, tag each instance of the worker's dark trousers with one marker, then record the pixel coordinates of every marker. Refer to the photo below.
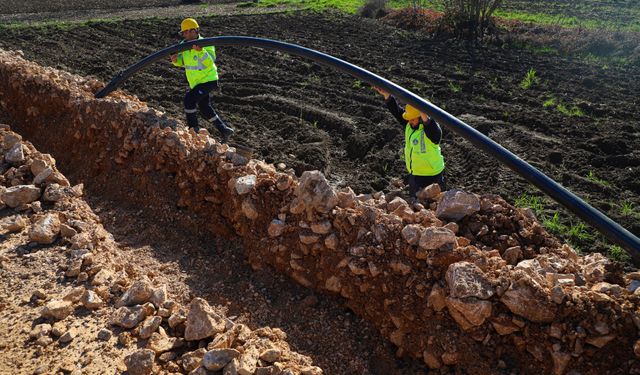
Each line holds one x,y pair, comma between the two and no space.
199,97
416,183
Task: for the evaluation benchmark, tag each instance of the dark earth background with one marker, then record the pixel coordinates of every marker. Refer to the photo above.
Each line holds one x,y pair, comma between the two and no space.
309,117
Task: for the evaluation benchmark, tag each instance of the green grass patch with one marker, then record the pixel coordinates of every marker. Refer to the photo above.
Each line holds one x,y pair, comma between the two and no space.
567,21
618,254
530,79
348,6
571,111
554,225
454,87
530,201
592,177
627,209
551,102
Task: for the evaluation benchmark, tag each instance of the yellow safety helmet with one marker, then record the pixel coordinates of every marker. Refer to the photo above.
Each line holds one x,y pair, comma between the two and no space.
189,24
410,113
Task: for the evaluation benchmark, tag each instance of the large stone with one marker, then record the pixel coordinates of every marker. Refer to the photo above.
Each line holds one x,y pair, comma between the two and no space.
437,237
248,361
315,194
57,310
396,203
431,192
15,224
159,296
91,300
467,280
38,166
202,321
411,233
159,342
346,198
140,362
192,360
42,176
15,155
10,139
128,317
46,229
522,300
469,312
19,195
456,204
245,184
139,293
149,326
271,355
217,359
56,192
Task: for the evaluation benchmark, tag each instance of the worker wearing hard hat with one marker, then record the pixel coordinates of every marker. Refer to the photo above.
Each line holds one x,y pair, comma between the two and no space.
202,75
422,154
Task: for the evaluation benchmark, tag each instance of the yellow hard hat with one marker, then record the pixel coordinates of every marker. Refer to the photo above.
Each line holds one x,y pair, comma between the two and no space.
188,24
410,113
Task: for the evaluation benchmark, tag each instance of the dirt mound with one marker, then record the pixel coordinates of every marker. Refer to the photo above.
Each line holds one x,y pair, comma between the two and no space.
420,19
461,280
75,301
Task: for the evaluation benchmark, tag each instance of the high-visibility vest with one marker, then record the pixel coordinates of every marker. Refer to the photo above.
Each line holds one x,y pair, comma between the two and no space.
421,156
199,66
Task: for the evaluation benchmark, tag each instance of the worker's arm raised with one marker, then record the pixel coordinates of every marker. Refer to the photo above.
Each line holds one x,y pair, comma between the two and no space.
177,59
392,105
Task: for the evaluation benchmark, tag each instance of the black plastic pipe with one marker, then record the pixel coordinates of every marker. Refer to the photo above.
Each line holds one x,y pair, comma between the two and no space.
610,229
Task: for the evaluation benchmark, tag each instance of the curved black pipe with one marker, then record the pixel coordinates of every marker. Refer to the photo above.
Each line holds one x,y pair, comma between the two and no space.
614,232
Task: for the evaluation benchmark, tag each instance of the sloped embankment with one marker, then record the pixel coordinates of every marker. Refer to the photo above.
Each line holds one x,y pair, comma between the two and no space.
462,281
74,301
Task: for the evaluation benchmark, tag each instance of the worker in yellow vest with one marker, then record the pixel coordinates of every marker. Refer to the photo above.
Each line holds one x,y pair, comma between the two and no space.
202,74
422,154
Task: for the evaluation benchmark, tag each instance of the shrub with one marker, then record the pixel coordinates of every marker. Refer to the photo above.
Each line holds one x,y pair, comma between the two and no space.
469,18
373,9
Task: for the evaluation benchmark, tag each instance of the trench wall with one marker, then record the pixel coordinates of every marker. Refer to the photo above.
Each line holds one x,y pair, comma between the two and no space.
488,293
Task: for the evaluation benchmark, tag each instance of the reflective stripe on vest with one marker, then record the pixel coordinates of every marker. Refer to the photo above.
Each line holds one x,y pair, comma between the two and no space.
195,65
422,157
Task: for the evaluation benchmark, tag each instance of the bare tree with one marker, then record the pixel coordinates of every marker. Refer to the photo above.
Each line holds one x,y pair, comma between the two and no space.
470,18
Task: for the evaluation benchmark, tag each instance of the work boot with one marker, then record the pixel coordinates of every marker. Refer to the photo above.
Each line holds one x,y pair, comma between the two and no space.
225,130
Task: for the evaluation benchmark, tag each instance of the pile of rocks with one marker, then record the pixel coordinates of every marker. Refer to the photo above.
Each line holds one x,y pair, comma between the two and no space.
93,297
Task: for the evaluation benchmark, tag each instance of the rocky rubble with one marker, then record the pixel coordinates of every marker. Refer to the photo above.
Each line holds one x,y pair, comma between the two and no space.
460,281
124,322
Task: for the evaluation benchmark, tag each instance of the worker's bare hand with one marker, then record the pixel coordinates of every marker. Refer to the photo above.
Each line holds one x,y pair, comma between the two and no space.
382,92
197,48
173,58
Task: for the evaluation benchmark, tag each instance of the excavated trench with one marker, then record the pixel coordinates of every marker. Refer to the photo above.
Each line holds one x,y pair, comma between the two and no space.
459,281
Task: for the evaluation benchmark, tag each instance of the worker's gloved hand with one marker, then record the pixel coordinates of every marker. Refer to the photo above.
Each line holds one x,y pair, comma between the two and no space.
197,48
173,58
382,92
